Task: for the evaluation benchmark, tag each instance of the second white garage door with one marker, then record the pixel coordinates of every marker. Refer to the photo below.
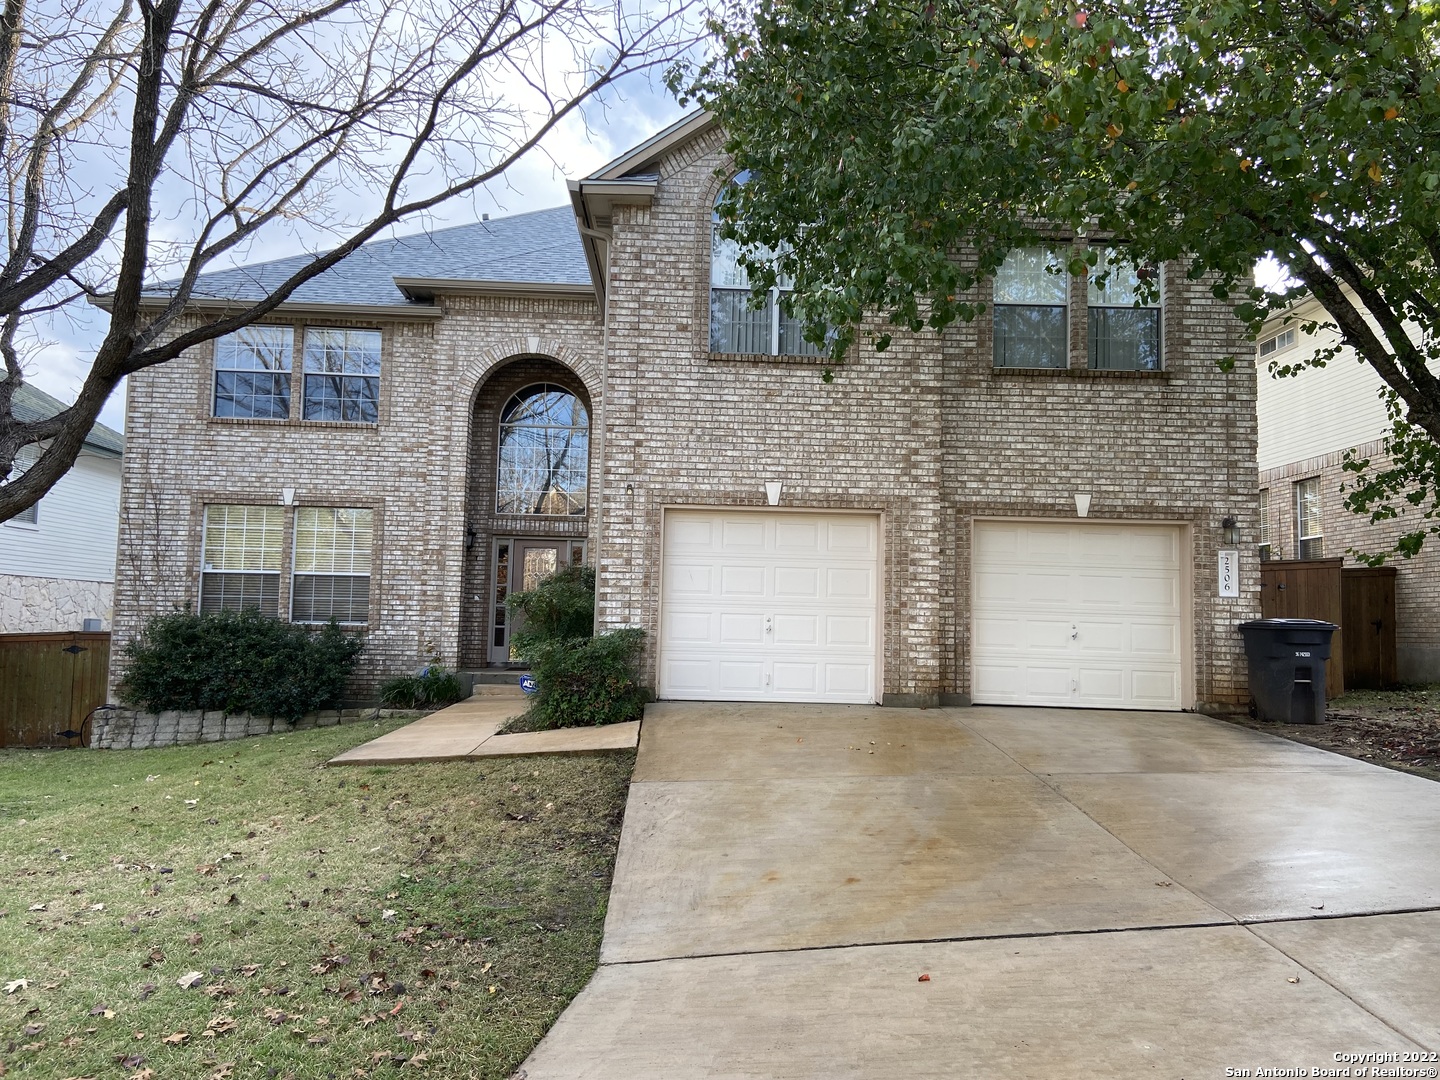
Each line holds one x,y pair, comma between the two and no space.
769,606
1081,614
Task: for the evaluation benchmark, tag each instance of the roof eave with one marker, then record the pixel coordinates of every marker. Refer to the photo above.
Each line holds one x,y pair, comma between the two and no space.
656,147
426,289
214,305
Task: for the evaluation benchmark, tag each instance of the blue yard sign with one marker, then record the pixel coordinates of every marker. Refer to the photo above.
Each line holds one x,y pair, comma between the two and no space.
528,684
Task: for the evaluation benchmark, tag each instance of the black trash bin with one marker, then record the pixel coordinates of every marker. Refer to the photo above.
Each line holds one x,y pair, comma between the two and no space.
1287,668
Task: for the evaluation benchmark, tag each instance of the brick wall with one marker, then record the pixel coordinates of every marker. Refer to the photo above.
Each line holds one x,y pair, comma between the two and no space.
926,433
1417,580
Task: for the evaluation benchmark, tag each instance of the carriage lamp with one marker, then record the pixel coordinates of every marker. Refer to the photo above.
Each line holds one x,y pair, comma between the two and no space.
1230,531
469,538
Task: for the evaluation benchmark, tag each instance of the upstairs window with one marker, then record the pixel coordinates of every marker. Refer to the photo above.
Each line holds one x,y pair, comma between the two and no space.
736,327
1276,342
24,458
342,375
240,562
544,459
332,565
1031,308
1124,328
1309,538
252,373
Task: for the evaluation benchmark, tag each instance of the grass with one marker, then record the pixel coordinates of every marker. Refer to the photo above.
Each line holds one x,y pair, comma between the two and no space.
347,922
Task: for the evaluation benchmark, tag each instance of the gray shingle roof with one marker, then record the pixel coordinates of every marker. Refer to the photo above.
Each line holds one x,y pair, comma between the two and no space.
541,247
31,404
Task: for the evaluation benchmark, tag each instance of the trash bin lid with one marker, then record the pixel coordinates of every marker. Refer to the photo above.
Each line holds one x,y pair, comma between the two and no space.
1288,624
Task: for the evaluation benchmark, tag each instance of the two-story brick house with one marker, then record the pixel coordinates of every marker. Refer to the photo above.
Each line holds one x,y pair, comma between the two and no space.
1024,509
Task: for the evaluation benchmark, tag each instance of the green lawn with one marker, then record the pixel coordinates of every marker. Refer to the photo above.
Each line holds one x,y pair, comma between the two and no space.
345,922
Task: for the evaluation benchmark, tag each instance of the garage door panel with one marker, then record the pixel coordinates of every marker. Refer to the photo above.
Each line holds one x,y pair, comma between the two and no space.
769,606
1085,614
797,581
742,534
746,581
741,628
797,630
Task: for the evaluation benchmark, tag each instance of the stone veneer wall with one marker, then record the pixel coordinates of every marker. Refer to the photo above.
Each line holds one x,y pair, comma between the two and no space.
1417,580
116,728
927,432
36,605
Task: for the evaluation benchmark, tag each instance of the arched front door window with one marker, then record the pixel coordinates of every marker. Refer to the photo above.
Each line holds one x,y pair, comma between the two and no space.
544,463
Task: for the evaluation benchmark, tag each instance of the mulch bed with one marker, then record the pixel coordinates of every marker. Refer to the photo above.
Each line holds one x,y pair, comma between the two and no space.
1396,728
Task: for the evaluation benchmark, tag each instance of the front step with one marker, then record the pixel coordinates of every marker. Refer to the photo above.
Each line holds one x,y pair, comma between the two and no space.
496,690
493,682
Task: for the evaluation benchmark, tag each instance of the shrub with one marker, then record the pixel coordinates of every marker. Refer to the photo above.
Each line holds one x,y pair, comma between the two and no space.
433,688
237,661
560,607
582,679
587,681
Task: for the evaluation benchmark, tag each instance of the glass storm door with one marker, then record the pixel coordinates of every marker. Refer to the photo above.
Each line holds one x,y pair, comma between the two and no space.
520,565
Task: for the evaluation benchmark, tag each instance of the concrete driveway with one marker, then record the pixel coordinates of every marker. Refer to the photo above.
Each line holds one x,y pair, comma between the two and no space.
1092,894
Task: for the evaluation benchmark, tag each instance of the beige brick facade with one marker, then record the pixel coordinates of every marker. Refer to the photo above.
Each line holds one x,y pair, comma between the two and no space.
1417,580
928,434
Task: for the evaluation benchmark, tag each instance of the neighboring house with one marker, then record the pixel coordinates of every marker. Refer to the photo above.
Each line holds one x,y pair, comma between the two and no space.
448,416
1307,423
57,559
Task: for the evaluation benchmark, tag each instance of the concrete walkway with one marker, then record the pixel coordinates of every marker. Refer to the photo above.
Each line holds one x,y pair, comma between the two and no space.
468,729
1091,894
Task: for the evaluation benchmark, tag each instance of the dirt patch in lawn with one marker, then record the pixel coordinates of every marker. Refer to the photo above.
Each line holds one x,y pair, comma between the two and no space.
1396,728
236,910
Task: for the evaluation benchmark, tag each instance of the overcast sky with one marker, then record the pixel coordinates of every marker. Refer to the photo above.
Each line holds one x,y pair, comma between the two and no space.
630,114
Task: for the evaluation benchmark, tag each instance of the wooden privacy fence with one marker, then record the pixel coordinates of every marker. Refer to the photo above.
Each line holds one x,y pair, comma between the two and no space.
1360,600
49,684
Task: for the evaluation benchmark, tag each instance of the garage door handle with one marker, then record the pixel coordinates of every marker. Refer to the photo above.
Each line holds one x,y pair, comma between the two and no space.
1074,632
768,628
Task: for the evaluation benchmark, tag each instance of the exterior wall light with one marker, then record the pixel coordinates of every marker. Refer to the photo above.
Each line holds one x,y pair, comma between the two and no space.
1229,531
469,537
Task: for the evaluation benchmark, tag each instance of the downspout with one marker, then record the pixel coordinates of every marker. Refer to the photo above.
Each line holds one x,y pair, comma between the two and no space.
598,516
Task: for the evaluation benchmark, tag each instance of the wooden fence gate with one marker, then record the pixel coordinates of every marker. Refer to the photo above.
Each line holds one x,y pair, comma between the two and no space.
1308,590
49,684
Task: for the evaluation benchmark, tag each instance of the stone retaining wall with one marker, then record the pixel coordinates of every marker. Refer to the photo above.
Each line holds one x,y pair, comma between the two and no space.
129,729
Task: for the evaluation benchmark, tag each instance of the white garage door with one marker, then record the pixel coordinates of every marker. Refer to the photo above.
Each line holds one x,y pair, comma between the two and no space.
768,606
1078,614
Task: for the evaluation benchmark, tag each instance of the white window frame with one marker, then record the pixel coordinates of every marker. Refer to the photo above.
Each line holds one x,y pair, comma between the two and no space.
205,568
1308,489
1056,253
29,518
1285,339
295,570
583,500
306,374
228,341
1135,304
1264,531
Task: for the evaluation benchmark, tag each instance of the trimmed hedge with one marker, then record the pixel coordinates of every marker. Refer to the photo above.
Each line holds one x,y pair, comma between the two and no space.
237,662
433,688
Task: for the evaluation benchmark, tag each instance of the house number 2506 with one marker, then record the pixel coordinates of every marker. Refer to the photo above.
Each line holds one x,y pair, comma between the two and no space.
1229,573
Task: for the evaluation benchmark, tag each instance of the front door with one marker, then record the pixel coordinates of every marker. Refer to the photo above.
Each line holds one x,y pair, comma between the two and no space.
520,565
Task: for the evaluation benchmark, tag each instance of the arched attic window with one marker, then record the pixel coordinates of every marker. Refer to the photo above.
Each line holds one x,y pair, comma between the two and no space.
736,327
544,458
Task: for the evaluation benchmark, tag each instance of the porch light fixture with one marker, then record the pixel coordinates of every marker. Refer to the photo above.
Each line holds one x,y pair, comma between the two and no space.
772,492
469,538
1229,531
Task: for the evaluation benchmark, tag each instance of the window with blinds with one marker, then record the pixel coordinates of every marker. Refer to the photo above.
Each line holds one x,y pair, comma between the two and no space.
332,565
240,562
1309,538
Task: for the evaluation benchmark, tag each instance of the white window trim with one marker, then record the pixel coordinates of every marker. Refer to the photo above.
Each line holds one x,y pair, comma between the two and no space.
1285,339
1301,537
293,532
277,573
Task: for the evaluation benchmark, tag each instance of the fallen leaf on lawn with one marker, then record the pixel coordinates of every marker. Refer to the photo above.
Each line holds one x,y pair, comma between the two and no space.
418,1060
486,967
205,869
194,939
147,990
276,1016
97,907
34,1048
220,1025
366,1021
388,913
924,978
491,989
249,970
189,979
223,1072
398,1006
18,984
316,1040
176,1038
144,1074
37,907
131,1061
32,1029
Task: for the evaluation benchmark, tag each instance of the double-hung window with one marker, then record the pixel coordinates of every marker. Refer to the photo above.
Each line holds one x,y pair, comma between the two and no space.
1309,539
1265,525
1031,309
240,563
735,326
252,373
342,375
1276,342
1124,325
24,458
332,565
